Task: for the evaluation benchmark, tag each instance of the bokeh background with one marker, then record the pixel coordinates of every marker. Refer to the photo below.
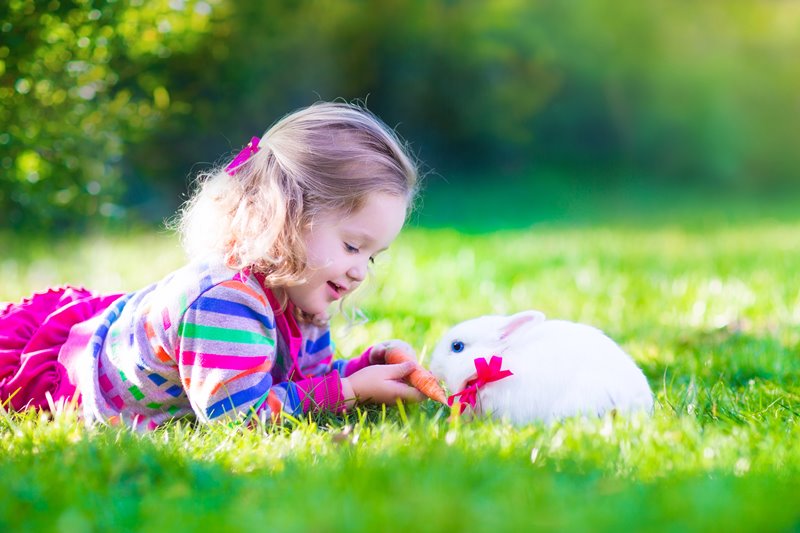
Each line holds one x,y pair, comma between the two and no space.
109,108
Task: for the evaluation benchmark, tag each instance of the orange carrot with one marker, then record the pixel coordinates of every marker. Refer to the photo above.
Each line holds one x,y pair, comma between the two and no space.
421,379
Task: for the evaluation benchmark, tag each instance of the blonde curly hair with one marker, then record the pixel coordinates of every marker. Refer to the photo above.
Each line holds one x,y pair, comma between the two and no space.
322,159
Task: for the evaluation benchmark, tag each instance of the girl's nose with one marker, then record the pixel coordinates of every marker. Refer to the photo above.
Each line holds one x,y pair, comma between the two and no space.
358,271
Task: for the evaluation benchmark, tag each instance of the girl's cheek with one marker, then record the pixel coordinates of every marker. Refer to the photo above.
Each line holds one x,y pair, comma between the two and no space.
317,259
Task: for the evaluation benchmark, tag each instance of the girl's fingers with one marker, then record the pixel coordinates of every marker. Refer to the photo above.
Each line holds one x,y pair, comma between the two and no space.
400,370
407,392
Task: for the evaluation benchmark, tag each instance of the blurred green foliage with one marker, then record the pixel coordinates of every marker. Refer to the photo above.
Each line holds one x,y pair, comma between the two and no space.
79,81
109,104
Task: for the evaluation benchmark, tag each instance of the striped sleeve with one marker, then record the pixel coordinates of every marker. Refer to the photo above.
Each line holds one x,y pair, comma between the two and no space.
318,359
323,393
226,350
317,351
318,355
322,387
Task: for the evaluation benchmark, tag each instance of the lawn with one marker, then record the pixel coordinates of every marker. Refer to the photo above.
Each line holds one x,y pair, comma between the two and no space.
702,294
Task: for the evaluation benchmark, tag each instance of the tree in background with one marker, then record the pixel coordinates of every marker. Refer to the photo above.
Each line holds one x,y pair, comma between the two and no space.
108,105
701,92
79,80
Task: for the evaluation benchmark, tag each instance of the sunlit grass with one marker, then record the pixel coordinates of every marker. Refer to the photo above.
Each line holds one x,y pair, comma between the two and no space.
711,314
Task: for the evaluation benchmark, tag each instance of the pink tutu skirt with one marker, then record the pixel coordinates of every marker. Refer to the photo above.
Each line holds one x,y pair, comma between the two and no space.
32,333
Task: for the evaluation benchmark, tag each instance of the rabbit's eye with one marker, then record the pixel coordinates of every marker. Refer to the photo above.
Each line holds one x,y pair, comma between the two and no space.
457,346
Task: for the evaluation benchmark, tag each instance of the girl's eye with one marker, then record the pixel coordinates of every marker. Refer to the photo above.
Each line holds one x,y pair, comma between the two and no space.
353,250
457,346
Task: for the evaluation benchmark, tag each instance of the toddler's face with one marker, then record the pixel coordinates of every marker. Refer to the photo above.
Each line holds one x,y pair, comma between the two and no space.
340,249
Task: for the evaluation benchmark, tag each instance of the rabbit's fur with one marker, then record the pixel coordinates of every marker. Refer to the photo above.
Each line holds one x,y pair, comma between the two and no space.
560,368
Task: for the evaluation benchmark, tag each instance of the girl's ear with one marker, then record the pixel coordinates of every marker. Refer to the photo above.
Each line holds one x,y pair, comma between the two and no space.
515,321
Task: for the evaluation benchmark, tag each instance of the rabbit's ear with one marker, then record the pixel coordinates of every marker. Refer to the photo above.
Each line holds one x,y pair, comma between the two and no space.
517,320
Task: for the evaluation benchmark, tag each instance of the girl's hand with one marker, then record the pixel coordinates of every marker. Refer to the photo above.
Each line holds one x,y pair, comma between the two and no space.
377,355
380,384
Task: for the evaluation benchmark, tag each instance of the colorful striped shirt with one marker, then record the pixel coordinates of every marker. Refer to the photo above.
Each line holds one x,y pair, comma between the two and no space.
211,342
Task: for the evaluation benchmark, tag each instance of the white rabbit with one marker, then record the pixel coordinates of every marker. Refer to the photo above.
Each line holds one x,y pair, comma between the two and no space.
559,368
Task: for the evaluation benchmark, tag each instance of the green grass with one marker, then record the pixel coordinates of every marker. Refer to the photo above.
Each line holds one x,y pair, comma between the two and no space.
707,304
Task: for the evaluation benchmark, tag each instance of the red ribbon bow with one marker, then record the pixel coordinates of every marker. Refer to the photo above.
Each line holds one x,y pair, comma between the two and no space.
487,373
241,158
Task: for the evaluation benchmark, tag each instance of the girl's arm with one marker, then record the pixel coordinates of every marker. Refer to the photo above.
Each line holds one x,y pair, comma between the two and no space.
351,378
380,384
226,353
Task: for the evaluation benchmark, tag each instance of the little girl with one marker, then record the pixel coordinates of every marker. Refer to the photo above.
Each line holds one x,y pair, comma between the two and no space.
286,229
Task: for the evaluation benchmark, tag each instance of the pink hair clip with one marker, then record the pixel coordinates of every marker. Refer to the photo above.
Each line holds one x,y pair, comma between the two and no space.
241,158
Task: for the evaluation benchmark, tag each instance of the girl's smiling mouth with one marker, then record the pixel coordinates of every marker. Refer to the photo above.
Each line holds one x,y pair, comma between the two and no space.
337,290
